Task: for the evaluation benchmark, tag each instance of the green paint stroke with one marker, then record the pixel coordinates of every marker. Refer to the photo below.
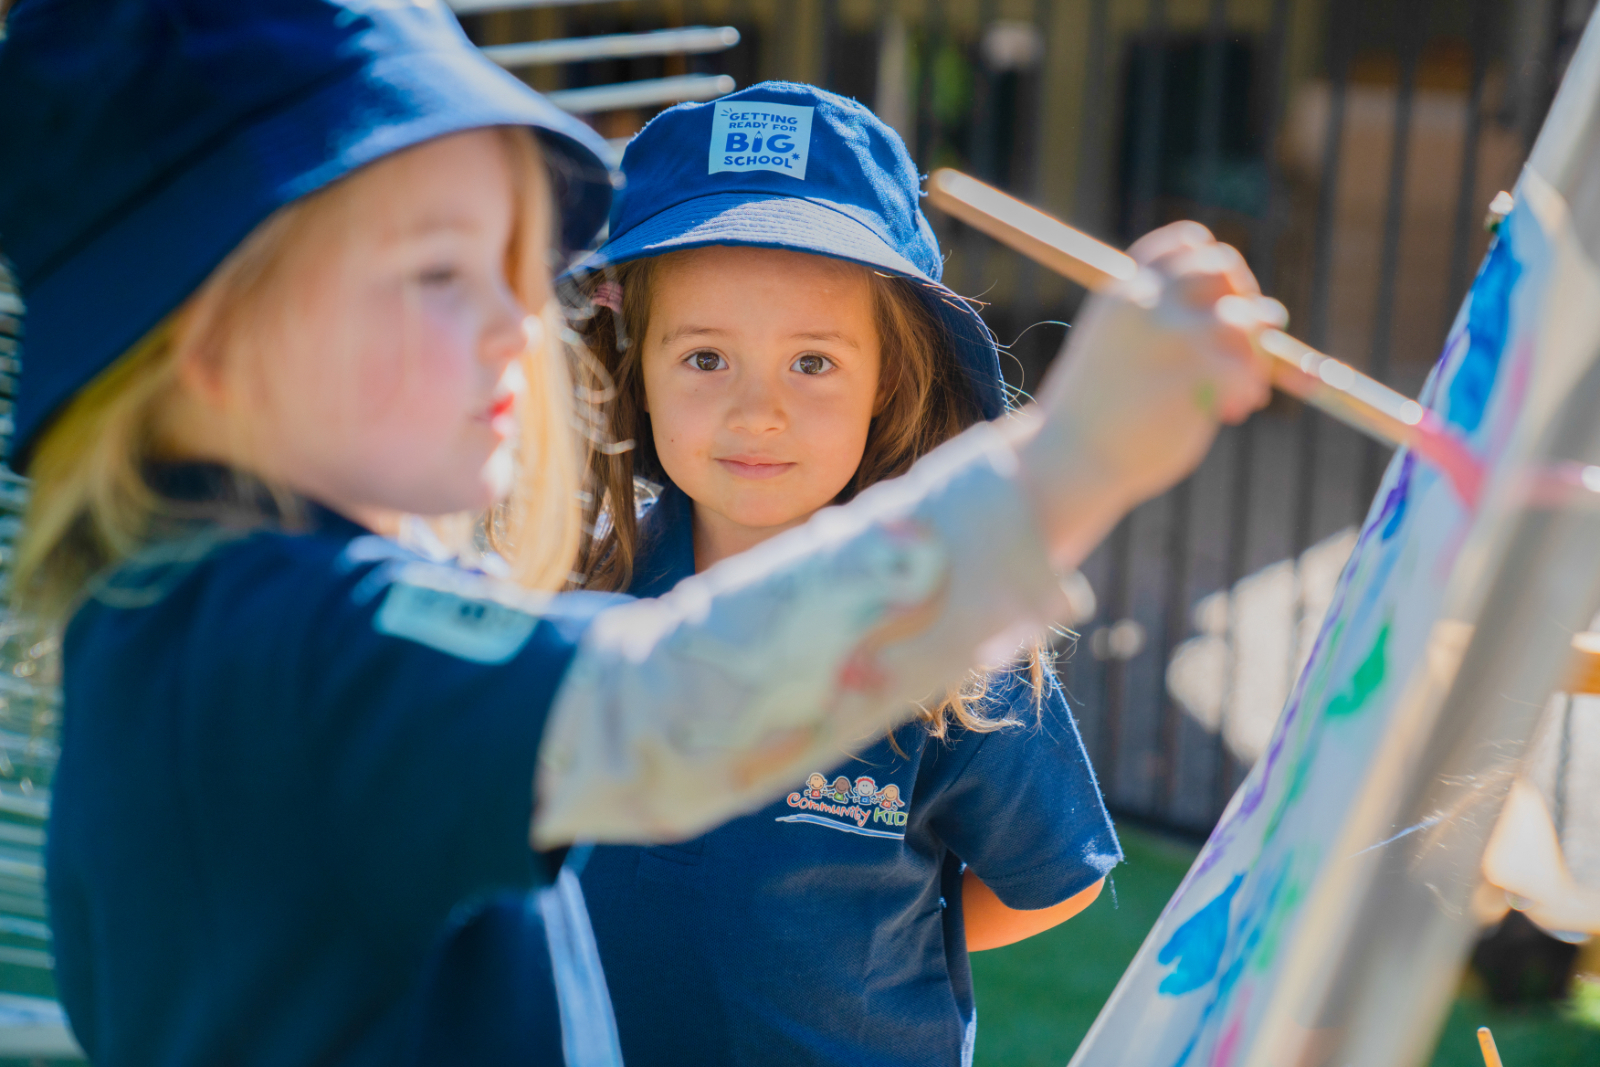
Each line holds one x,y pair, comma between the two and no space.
1266,953
1368,677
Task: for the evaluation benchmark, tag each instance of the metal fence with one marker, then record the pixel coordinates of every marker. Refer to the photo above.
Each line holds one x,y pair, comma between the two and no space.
1348,147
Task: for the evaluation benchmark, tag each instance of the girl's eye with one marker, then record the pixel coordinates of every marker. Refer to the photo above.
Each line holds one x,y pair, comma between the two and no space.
441,275
707,360
811,363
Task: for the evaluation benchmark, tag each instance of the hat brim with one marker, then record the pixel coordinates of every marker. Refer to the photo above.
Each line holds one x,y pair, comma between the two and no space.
760,220
141,265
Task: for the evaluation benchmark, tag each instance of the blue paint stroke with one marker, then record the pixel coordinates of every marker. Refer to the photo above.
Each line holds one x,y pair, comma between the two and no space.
1488,323
1197,945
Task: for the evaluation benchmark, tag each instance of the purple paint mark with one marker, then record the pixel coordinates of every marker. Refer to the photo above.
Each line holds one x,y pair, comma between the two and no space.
1394,505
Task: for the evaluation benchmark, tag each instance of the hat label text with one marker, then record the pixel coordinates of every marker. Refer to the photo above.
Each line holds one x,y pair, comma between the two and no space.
760,136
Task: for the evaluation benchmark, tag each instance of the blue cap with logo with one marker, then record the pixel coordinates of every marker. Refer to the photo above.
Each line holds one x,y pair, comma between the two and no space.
146,138
781,165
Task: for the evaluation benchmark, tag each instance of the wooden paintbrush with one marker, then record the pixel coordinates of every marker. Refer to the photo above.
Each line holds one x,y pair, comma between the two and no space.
1298,369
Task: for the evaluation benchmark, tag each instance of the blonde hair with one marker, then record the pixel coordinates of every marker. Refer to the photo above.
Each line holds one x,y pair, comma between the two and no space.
925,402
92,505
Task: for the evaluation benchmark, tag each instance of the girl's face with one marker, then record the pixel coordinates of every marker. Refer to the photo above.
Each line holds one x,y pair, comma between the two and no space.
383,380
761,379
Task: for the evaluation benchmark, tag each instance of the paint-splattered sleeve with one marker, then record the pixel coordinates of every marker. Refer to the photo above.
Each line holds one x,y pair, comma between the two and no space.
681,712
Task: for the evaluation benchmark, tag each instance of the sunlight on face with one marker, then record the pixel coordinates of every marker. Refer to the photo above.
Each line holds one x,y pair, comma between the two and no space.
386,381
761,377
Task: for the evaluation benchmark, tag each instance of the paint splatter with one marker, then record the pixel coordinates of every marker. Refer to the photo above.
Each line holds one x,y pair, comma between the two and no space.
1367,678
1488,322
1197,945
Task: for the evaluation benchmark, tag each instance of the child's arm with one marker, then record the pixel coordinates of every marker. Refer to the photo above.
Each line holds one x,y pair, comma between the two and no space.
680,712
990,924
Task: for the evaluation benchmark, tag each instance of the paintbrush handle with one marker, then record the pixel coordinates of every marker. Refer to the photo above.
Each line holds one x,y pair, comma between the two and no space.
1491,1054
1296,368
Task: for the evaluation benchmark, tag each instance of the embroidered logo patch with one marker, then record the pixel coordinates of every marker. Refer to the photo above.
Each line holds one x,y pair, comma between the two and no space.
748,135
858,807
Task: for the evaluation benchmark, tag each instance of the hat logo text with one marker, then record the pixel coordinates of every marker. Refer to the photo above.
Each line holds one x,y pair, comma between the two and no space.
760,136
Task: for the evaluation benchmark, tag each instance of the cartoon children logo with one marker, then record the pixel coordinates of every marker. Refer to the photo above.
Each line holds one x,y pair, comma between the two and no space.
858,803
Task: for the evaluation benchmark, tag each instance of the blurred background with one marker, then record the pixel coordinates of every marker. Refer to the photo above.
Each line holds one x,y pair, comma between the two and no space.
1349,148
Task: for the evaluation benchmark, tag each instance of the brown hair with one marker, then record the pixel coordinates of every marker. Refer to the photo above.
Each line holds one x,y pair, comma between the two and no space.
925,402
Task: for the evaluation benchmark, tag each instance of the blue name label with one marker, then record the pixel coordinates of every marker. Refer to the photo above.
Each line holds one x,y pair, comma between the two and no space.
466,627
746,135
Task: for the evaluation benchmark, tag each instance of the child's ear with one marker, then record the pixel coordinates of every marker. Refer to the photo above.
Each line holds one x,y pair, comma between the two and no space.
199,359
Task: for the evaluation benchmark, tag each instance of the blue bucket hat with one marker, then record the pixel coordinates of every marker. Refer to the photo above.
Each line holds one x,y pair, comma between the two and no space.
781,165
144,139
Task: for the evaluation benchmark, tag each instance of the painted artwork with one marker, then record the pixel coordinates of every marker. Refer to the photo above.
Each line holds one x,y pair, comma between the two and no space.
1211,976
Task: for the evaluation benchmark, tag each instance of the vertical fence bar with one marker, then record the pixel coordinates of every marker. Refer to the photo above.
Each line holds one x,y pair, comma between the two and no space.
1175,622
1211,85
1340,45
1467,206
1152,87
929,41
828,32
1145,183
1263,248
982,120
1089,194
1413,17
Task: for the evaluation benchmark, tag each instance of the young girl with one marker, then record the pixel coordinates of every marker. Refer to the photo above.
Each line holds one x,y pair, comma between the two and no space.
278,258
786,346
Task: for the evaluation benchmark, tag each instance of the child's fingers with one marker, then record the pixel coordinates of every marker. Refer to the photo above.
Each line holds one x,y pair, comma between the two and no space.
1169,239
1200,277
1244,381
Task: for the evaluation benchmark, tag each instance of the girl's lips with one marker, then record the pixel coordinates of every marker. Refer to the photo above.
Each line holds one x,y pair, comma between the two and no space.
499,415
755,468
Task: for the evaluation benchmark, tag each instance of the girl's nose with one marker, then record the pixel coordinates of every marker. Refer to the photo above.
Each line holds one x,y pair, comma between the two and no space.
508,328
757,407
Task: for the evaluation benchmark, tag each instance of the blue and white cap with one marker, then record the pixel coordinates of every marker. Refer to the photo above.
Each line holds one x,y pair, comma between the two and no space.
781,165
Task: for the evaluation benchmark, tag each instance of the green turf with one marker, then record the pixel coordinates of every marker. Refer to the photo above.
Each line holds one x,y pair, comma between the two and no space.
1037,999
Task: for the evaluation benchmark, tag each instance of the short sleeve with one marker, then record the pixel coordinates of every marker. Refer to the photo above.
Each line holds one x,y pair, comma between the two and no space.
1024,811
425,699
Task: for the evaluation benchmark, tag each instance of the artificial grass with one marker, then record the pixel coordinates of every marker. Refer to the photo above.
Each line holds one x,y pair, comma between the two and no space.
1037,999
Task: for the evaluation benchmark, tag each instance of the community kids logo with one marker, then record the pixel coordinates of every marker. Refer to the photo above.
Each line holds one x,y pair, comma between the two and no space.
850,806
749,135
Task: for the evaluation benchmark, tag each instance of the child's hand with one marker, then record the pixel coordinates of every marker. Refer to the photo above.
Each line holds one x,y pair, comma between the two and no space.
1149,371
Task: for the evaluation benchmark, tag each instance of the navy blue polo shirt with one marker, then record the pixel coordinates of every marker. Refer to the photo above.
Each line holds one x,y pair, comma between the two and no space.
290,821
826,927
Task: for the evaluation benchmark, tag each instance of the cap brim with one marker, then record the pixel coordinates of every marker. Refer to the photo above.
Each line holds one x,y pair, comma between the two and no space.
759,220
